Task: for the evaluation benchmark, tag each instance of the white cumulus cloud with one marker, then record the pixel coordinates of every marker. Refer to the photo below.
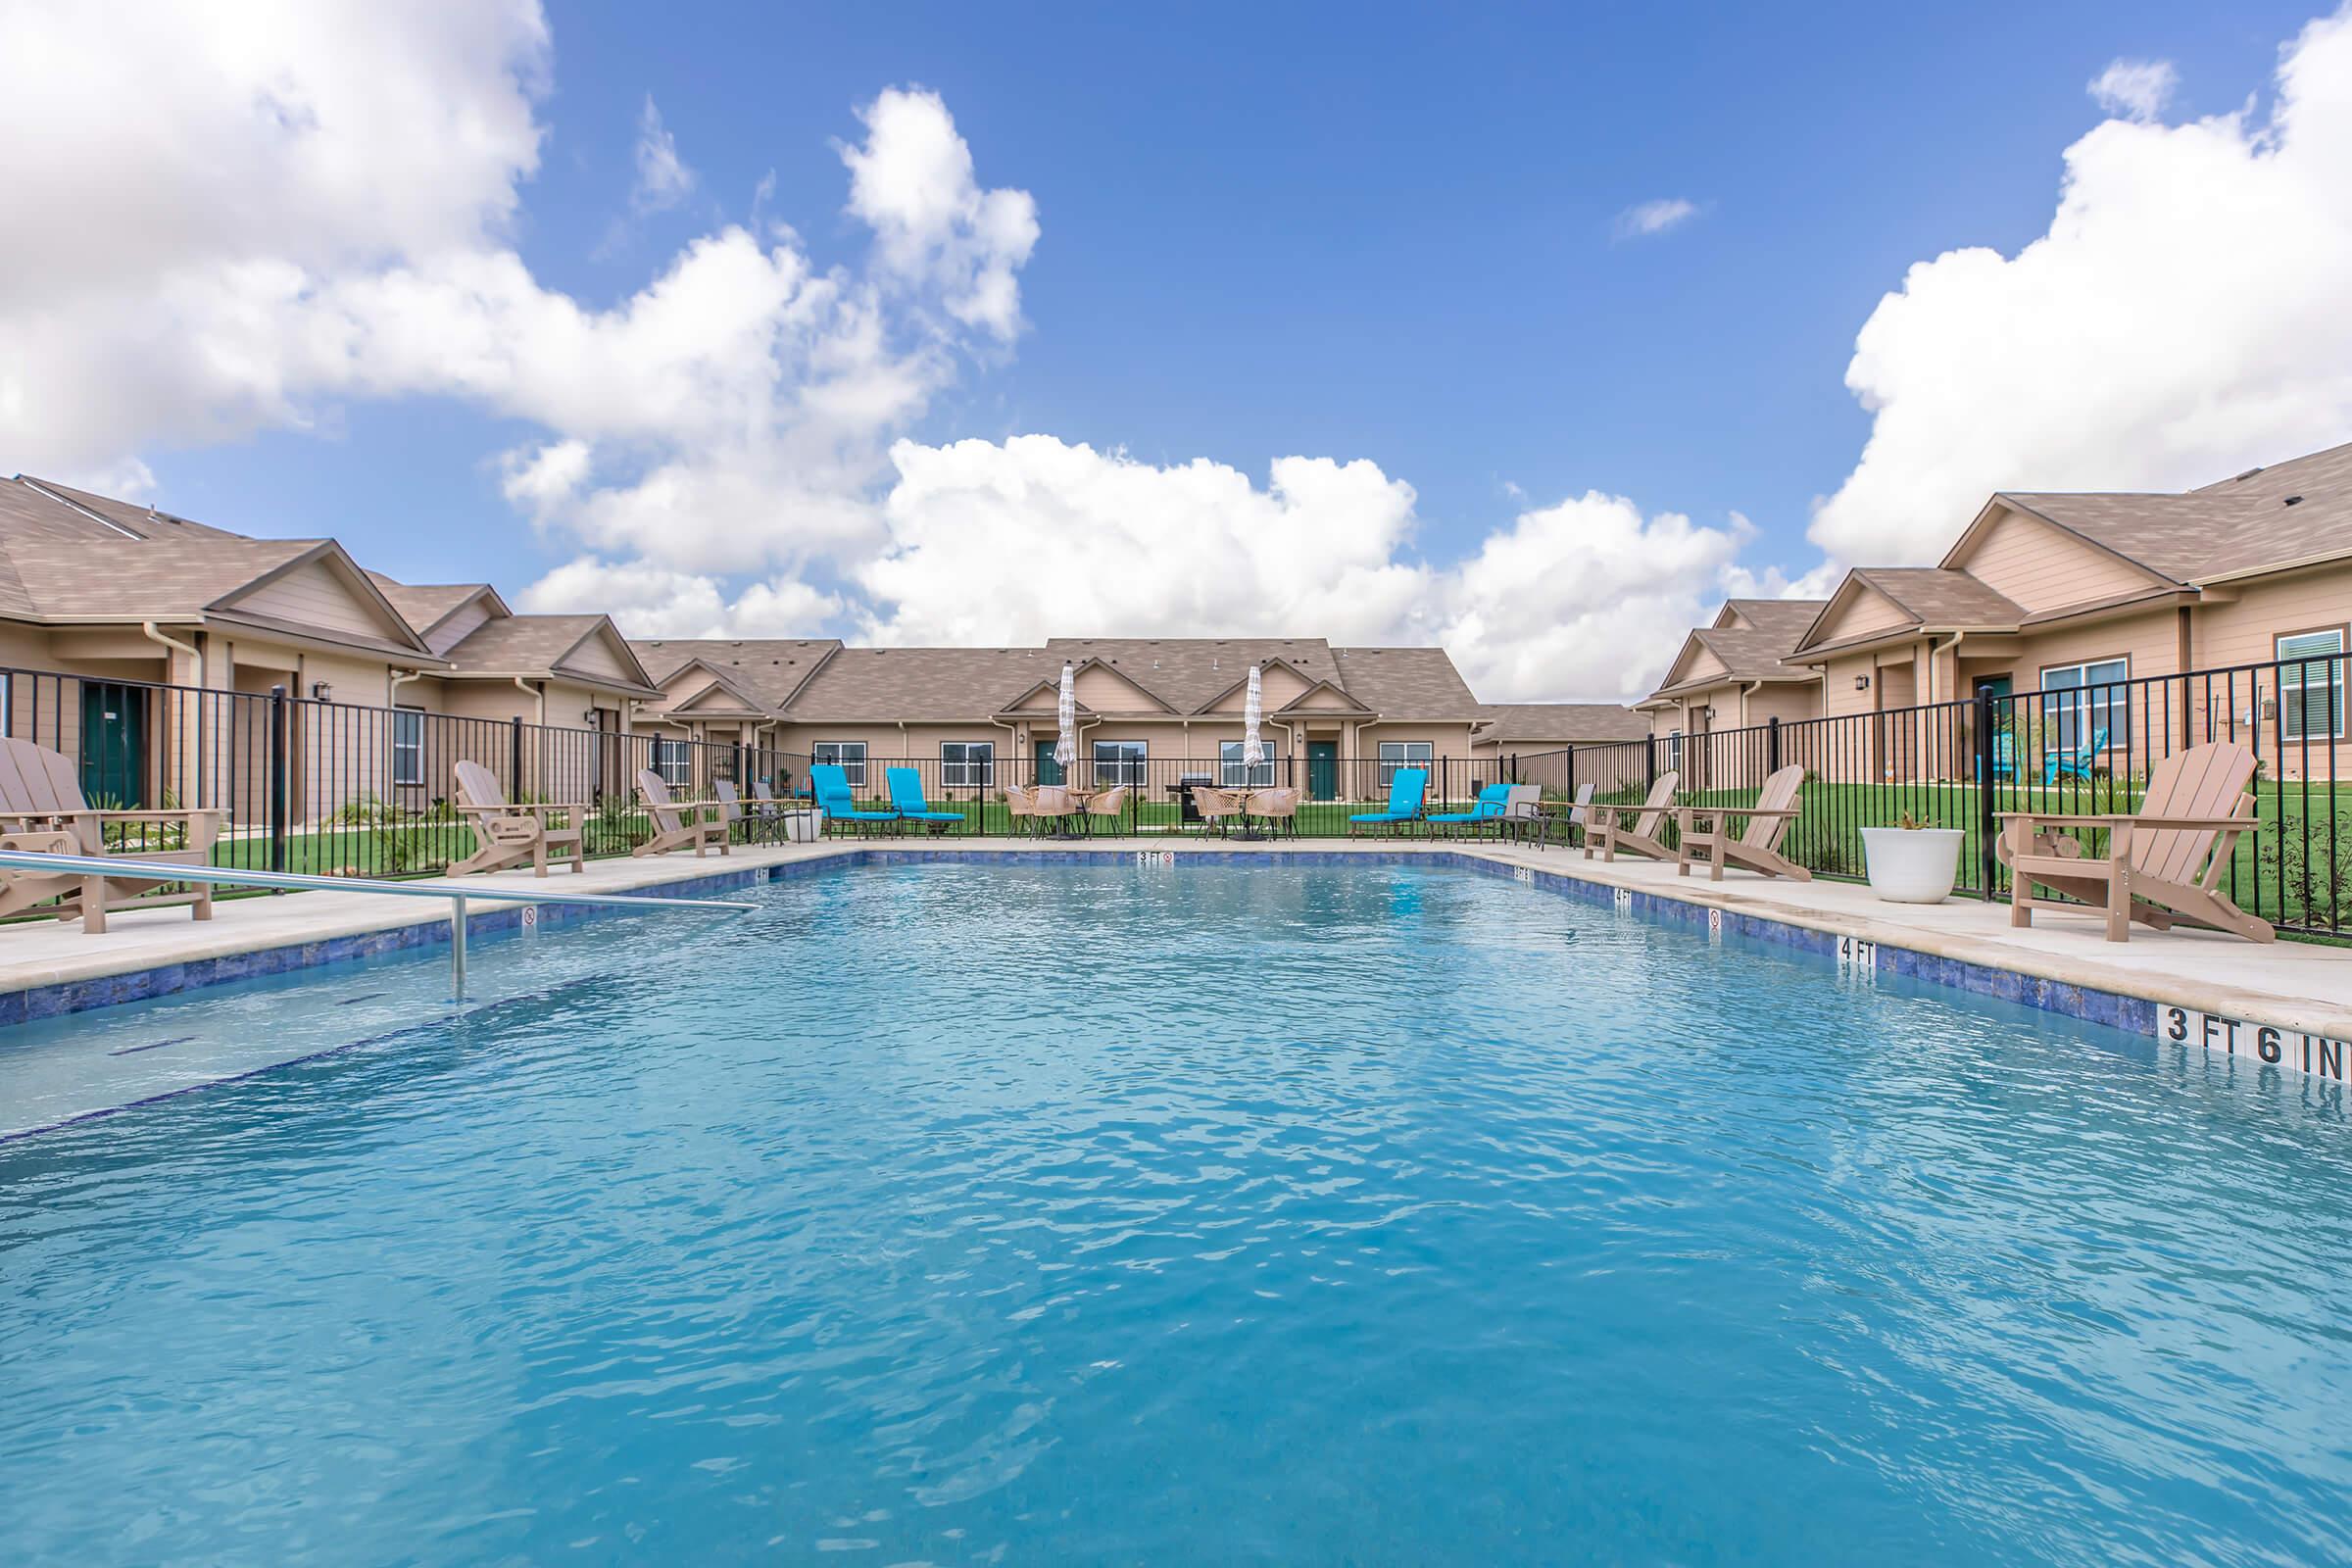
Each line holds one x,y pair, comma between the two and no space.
2137,89
2188,312
1653,218
662,179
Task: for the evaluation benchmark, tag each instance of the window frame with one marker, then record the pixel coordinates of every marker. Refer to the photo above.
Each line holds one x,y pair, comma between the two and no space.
2286,663
673,762
2083,705
957,774
1130,767
1389,764
1234,774
853,770
404,718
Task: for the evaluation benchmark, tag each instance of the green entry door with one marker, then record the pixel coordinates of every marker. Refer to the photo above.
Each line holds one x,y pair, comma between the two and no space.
114,745
1322,770
1048,772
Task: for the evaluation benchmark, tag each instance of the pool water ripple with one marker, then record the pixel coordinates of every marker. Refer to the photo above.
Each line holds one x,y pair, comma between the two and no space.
976,1214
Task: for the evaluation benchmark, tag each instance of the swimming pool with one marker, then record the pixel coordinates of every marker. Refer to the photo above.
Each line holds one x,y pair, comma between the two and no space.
1293,1213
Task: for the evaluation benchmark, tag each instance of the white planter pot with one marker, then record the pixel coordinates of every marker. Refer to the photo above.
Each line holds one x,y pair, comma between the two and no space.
803,827
1912,864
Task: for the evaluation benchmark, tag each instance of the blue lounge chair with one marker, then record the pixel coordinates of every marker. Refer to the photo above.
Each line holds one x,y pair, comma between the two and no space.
906,799
1487,810
1405,792
833,797
2073,762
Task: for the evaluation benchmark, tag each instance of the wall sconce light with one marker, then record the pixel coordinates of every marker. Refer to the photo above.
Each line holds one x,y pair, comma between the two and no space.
1861,683
322,690
1708,714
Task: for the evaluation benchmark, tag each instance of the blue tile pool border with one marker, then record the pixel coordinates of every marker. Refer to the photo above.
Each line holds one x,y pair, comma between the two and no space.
2138,1015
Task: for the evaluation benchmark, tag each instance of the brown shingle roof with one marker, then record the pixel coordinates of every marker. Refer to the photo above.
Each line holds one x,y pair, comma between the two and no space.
1786,618
65,564
767,669
920,685
2240,524
1561,723
1407,683
528,644
1936,596
1188,674
422,604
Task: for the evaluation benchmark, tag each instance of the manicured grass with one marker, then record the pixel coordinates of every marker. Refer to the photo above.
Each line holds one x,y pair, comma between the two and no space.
1828,838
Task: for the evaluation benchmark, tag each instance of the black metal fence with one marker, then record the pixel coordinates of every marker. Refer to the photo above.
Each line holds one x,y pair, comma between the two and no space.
336,788
2084,750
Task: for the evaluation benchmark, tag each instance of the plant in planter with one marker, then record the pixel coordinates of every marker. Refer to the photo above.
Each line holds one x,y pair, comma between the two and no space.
1912,862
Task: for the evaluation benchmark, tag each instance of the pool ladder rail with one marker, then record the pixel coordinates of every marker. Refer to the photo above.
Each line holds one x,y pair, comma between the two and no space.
458,893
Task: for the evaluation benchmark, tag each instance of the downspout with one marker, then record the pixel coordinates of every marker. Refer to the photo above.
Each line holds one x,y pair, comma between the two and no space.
148,629
1953,648
538,695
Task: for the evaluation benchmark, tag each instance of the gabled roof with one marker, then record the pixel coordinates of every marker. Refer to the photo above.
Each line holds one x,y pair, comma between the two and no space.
1746,655
1561,723
2260,520
549,647
1240,683
1787,616
426,606
1407,683
1925,599
769,670
1324,697
1191,673
74,557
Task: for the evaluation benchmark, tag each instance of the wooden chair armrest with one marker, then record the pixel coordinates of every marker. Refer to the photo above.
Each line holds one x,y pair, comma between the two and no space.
2069,818
2248,823
174,815
542,807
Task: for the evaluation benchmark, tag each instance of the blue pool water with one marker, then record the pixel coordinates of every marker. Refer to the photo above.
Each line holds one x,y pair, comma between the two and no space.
976,1214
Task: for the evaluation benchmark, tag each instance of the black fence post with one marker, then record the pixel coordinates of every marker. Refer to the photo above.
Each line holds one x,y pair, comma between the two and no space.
1650,761
277,779
514,760
1571,769
1772,744
1987,824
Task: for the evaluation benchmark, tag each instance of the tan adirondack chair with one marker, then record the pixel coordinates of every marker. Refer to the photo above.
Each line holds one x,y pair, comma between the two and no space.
678,824
42,811
2164,862
1633,827
1705,832
505,834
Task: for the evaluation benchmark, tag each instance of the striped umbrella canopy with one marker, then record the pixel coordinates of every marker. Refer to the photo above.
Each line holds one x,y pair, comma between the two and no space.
1253,714
1065,746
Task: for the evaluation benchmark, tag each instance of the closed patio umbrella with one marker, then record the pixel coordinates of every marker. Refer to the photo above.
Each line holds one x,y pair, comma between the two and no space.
1065,746
1253,714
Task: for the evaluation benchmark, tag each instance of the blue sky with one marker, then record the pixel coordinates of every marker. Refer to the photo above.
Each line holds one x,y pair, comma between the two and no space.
1388,235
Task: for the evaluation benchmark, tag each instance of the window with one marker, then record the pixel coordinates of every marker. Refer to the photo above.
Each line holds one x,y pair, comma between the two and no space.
2310,697
967,764
408,746
1394,755
674,761
2085,706
1234,774
1120,762
848,756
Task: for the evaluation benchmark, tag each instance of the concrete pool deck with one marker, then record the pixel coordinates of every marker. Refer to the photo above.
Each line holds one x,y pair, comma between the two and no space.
2186,986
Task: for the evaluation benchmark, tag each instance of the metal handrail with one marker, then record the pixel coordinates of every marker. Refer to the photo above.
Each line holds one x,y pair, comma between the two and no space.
458,893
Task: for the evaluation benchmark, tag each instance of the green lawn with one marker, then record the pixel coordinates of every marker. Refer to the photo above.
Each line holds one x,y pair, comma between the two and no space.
1828,838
